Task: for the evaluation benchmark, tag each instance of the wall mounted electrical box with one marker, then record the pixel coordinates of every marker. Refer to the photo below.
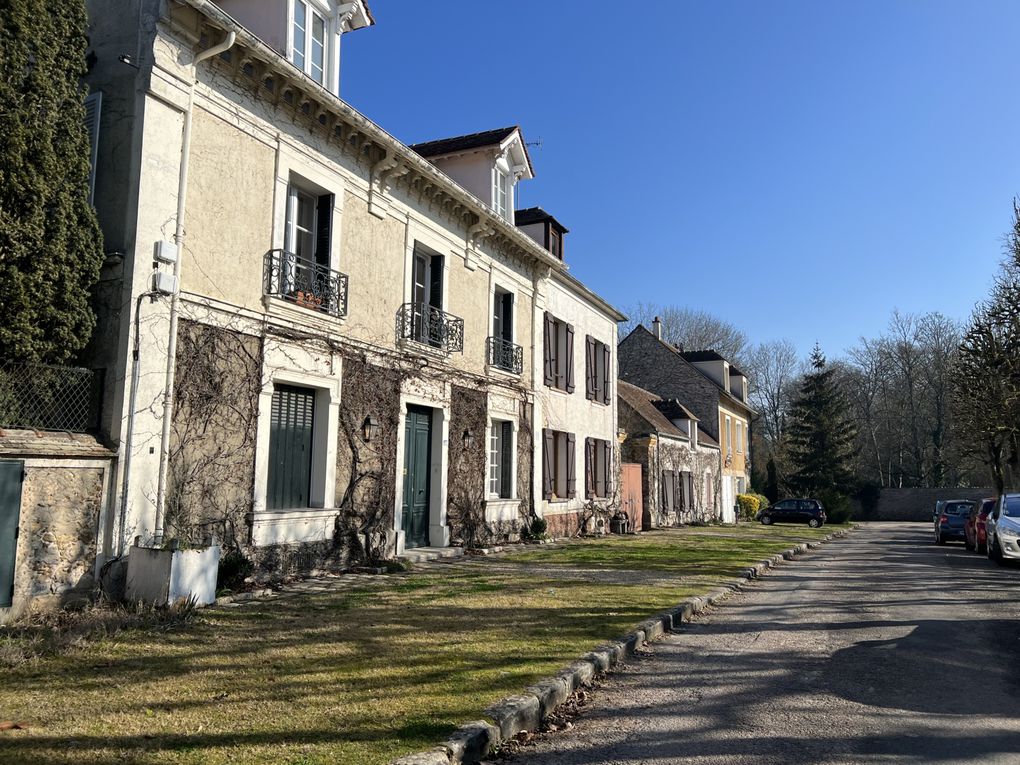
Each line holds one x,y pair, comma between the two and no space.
165,252
164,283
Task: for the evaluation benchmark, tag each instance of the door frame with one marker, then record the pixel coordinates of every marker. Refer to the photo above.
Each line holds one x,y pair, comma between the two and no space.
434,396
420,411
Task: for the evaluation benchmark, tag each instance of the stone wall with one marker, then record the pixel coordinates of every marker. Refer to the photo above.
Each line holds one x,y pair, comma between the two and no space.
916,504
647,363
63,498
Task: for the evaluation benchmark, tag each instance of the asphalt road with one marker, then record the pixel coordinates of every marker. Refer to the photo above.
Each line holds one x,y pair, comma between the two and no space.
878,648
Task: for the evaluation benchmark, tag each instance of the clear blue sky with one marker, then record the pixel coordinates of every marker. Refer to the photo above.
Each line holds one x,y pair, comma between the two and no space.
799,168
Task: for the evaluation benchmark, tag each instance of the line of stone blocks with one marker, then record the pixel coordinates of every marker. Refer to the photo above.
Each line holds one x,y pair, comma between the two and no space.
525,712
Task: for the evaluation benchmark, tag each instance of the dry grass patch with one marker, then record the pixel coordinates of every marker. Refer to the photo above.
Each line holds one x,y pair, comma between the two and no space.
353,677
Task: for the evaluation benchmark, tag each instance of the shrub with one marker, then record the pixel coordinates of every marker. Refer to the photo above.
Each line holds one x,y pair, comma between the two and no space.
234,568
748,504
836,504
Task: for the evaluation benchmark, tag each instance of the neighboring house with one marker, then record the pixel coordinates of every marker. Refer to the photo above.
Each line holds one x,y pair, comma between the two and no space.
680,463
361,347
710,386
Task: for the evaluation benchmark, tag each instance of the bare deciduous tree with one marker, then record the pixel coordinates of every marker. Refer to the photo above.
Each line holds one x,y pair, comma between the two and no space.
691,328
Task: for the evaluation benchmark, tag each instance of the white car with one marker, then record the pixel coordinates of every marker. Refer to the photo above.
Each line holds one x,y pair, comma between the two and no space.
1003,529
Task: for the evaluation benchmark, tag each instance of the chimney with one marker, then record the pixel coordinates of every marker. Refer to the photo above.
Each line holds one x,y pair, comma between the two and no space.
657,328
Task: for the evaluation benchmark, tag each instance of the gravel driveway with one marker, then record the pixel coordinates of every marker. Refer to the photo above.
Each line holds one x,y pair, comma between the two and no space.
878,648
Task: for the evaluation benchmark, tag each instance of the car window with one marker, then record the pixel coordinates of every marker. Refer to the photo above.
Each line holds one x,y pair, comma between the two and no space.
806,504
1011,507
957,508
786,504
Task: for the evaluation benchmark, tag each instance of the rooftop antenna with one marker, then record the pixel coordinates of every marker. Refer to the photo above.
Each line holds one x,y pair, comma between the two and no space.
538,145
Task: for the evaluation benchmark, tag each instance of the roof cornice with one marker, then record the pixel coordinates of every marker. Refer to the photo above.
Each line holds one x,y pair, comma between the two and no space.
390,160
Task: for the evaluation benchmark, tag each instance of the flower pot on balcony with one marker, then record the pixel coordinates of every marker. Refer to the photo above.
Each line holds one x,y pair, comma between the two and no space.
163,577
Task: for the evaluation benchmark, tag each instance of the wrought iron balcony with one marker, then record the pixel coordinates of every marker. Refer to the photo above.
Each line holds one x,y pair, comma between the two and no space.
423,323
505,355
305,283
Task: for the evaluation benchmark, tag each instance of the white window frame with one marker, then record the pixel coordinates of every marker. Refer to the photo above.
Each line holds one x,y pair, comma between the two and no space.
729,435
312,9
501,193
494,477
740,437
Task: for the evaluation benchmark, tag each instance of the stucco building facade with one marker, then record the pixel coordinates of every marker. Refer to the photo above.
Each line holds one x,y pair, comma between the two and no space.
350,329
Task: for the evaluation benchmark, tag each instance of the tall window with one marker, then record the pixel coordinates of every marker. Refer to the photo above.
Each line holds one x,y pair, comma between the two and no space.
309,225
598,457
558,347
729,436
500,192
559,480
740,437
309,41
501,437
597,370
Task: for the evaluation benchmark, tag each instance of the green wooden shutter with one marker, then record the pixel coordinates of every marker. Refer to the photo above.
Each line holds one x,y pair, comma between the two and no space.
290,447
506,460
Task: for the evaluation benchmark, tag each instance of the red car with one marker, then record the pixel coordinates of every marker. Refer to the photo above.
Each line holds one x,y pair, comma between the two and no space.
974,527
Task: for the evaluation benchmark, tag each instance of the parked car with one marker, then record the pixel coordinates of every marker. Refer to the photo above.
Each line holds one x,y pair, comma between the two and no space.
950,523
1003,529
809,511
974,528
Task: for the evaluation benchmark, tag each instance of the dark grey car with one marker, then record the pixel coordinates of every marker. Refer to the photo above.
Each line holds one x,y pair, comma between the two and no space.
951,521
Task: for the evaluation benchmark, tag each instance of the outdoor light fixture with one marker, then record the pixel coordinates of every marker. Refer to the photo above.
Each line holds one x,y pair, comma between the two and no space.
370,429
469,439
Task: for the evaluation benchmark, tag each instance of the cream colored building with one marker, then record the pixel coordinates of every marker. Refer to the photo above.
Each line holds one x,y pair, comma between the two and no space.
351,328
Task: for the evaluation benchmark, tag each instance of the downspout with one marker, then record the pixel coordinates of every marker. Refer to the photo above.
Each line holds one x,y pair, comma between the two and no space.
171,351
136,352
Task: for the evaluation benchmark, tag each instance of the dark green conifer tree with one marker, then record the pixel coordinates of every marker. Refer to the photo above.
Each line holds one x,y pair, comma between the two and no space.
50,244
820,433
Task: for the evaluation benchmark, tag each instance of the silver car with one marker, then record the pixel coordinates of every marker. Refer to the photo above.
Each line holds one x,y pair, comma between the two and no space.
1003,529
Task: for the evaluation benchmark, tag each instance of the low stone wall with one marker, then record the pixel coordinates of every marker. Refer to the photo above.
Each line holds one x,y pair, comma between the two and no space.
915,504
63,508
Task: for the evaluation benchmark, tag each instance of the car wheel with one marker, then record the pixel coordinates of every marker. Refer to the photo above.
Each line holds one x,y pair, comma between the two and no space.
814,523
997,555
766,520
981,549
939,539
990,548
967,544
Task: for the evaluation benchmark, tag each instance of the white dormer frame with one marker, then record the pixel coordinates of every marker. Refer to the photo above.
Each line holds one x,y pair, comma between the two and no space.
338,18
511,165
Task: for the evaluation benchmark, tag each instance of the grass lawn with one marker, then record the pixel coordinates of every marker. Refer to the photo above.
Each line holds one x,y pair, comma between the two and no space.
359,675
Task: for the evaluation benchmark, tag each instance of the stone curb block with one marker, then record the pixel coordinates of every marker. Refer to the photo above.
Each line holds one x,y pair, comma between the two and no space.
473,741
243,597
514,714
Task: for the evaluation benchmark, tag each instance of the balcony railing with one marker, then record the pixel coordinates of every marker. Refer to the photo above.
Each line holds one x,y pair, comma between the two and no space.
423,323
505,355
305,283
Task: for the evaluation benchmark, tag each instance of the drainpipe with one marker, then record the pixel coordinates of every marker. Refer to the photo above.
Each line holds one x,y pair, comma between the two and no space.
171,351
136,352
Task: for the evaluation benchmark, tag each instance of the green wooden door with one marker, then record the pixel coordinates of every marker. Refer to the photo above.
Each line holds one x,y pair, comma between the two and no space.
417,460
290,447
10,509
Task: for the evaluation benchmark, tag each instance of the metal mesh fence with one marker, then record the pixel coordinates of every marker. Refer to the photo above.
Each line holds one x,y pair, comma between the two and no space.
49,397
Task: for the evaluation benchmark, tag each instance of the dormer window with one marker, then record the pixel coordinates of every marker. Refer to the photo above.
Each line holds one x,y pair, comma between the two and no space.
501,192
308,40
